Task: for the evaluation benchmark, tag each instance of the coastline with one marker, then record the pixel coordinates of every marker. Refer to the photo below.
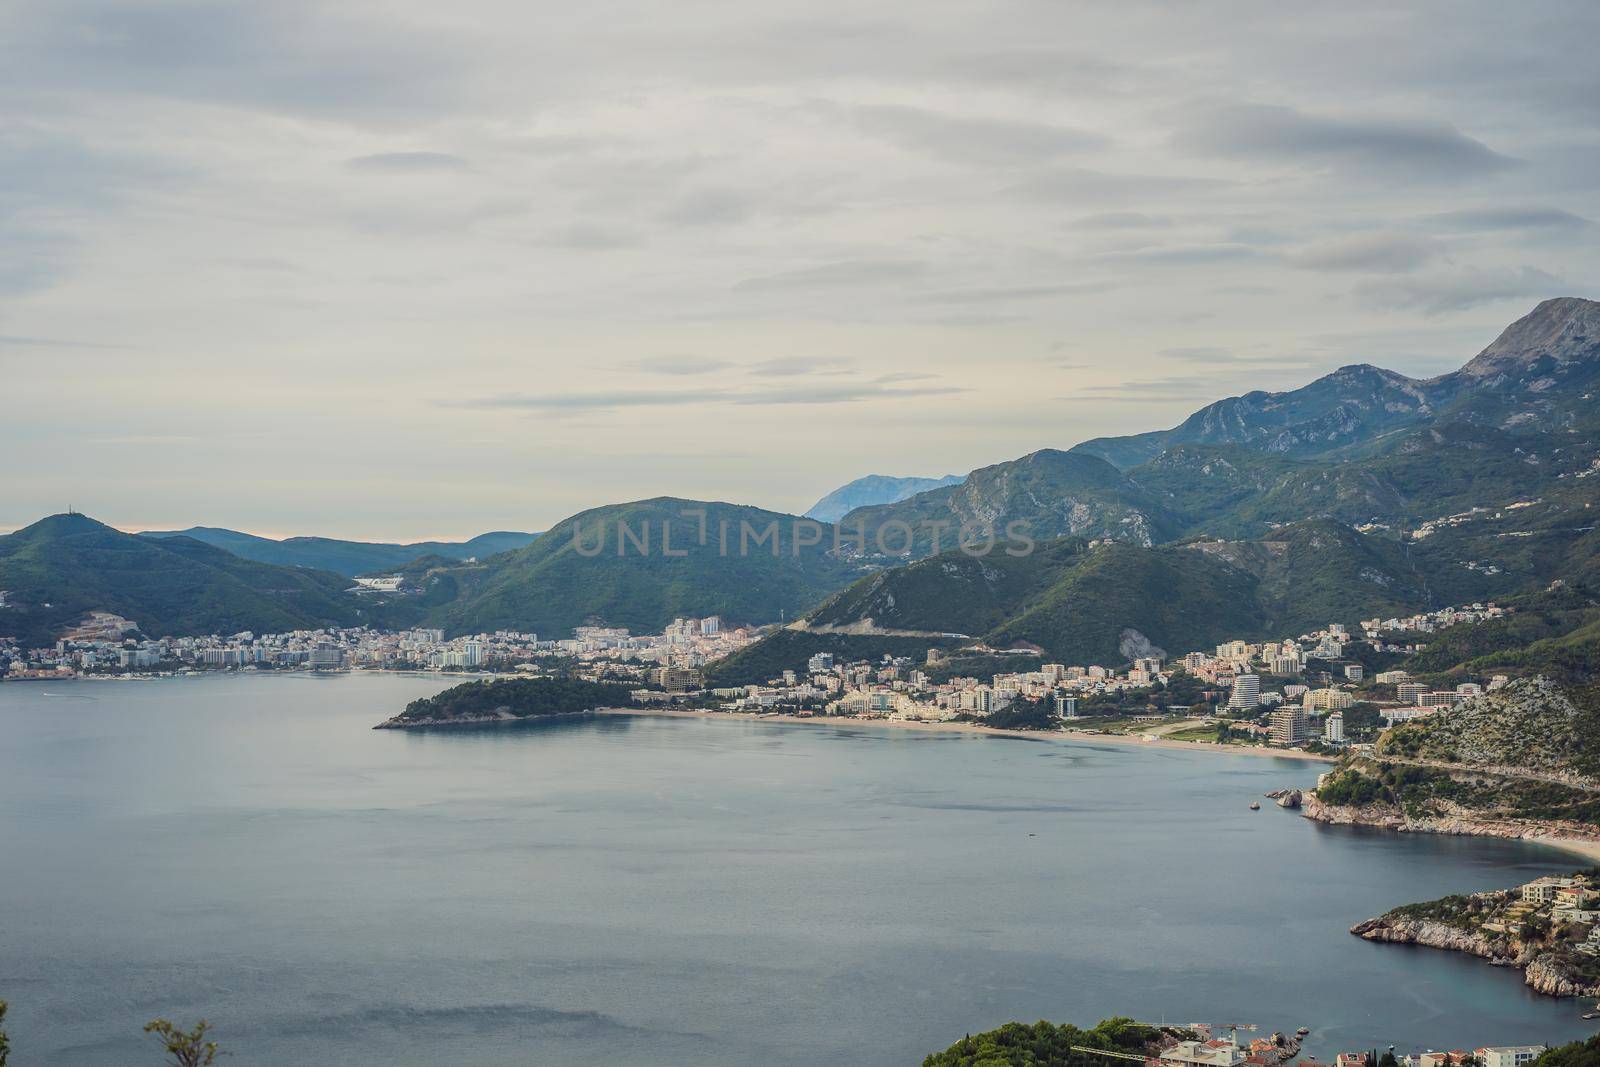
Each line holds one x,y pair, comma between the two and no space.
968,728
1454,826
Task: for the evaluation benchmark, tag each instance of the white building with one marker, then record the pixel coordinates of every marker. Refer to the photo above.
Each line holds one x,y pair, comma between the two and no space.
1508,1055
1333,729
1246,691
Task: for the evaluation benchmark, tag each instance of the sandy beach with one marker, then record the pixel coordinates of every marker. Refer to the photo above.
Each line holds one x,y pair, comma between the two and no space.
1080,737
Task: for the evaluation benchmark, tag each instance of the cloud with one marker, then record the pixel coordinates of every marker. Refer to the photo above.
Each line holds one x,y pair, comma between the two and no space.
795,368
407,162
678,365
807,394
973,140
1211,355
849,273
586,237
1007,293
708,207
1080,185
1181,255
1390,253
296,57
1121,220
1463,289
1511,218
1416,148
12,341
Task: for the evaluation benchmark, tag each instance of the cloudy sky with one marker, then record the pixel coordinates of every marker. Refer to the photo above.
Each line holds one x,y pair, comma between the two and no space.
404,269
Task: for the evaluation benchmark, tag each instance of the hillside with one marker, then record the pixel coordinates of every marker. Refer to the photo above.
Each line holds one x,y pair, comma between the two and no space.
725,564
870,490
507,700
1047,494
348,558
1532,724
62,567
1534,377
1109,602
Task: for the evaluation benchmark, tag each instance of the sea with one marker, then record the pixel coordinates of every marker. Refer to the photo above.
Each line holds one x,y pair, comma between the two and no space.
648,890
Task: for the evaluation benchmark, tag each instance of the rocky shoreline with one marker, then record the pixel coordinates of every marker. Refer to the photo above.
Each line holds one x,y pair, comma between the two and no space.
1549,972
499,715
1455,821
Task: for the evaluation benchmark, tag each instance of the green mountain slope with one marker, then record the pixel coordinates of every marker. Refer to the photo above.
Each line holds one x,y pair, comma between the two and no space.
344,557
64,566
1046,494
1109,602
739,562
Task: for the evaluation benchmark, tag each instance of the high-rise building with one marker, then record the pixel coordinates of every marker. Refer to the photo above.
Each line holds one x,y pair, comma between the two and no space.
1333,729
1289,724
1246,691
1067,707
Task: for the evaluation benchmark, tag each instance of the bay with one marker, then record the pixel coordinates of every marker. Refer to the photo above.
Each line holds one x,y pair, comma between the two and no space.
635,890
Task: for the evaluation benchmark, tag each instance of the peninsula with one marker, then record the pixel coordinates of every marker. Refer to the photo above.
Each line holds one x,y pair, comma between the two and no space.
506,700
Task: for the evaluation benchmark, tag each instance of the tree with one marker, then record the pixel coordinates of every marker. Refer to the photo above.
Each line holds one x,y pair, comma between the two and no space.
5,1042
186,1048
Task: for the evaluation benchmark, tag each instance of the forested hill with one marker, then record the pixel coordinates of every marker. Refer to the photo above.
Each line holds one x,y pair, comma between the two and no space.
506,700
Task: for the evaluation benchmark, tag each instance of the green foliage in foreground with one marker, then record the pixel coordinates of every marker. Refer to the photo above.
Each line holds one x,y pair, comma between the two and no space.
1421,792
185,1048
1045,1045
1577,1054
5,1042
522,697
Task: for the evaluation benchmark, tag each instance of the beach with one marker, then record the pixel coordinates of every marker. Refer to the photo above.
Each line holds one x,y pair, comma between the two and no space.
974,728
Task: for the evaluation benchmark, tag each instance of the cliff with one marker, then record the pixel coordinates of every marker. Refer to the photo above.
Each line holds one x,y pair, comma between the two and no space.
1557,971
1448,818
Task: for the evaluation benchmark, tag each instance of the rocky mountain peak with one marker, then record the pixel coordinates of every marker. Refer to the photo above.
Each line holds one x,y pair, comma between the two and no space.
1565,328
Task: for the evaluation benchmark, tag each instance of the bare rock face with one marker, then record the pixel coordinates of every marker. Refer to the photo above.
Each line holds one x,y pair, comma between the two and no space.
1428,933
1290,799
1554,975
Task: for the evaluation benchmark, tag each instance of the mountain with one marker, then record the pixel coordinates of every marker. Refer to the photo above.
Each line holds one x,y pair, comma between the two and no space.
1048,494
1534,376
348,558
61,568
1110,602
873,489
1351,405
643,563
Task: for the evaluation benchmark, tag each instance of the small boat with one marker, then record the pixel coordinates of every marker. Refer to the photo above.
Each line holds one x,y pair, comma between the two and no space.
1255,805
1591,1015
1303,1031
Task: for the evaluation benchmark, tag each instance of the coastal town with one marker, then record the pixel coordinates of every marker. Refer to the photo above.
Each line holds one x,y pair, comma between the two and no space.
1223,1047
1313,691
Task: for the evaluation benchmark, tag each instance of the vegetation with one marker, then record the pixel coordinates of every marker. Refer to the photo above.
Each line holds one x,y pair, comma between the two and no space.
1048,493
1423,792
1576,1054
60,568
5,1042
784,650
742,563
1047,1045
523,698
185,1048
348,558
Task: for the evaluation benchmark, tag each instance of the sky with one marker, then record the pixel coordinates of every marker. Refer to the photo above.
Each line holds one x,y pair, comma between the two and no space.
394,270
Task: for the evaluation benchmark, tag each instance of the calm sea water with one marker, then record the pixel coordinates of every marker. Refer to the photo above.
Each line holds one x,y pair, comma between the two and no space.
644,891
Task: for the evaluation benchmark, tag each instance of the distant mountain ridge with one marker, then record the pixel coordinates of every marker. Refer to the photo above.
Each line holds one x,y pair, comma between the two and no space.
349,558
62,567
1050,492
1556,344
873,489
